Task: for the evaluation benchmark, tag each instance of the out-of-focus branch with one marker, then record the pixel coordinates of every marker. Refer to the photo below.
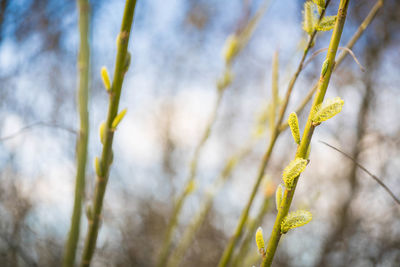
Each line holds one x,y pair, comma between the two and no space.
37,124
377,179
82,140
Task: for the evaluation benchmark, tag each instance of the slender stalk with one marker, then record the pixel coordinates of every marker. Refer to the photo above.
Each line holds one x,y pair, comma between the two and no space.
363,26
275,88
82,140
106,155
226,256
309,129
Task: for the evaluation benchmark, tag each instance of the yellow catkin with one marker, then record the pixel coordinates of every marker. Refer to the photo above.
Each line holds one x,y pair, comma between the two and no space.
293,170
295,219
326,24
97,166
106,78
190,187
320,3
278,196
102,132
309,19
118,118
294,127
231,48
327,110
260,241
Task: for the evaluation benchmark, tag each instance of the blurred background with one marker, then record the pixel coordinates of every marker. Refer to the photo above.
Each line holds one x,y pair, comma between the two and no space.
170,90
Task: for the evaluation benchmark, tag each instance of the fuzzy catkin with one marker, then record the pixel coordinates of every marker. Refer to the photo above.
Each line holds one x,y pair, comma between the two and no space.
320,3
327,110
260,240
295,219
326,23
308,17
294,127
293,170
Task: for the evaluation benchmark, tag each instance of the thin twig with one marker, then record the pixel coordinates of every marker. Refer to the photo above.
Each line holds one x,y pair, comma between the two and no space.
378,180
34,125
340,48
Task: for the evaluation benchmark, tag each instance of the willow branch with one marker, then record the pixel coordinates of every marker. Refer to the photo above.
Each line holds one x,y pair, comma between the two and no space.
227,254
245,244
364,25
106,155
339,48
82,140
309,129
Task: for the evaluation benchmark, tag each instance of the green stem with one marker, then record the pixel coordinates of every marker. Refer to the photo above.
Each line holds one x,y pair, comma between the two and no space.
106,155
308,131
226,256
82,141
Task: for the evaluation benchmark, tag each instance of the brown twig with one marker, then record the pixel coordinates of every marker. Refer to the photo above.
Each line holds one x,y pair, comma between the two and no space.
377,179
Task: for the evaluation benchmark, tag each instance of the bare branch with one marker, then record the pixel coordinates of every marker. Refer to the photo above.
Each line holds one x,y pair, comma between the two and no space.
378,180
34,125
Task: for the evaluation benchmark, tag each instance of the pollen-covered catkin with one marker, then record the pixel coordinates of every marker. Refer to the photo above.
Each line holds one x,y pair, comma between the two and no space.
260,241
320,3
295,219
327,110
309,19
294,127
293,170
326,23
